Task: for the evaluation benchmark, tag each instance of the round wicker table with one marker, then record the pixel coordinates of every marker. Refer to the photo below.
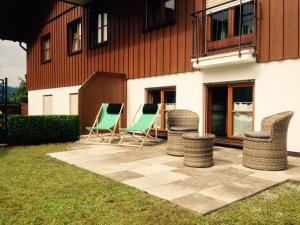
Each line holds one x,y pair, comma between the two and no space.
198,149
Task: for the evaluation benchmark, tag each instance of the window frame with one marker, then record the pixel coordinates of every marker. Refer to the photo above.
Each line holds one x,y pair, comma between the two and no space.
148,27
163,110
44,38
232,39
230,107
94,28
70,38
231,111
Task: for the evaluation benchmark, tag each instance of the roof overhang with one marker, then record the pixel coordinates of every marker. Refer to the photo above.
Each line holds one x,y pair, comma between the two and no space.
19,19
77,2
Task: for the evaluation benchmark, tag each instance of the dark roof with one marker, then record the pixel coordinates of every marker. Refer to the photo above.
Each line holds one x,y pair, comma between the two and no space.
19,18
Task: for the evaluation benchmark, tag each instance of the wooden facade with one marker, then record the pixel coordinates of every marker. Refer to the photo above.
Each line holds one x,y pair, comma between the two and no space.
129,51
97,90
167,50
277,26
278,29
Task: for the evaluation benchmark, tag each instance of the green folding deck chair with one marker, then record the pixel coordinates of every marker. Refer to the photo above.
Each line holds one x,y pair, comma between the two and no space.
143,125
107,121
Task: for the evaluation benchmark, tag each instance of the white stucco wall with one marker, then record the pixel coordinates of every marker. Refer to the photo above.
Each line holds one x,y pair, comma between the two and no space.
276,90
61,100
188,91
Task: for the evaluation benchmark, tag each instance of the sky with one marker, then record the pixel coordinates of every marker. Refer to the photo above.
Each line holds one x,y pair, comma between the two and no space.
12,62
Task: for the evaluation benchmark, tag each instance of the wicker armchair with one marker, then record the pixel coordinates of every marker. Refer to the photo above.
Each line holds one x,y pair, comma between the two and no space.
180,122
267,150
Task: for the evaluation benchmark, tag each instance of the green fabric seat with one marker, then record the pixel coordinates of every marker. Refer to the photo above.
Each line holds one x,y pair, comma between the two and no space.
145,121
107,121
143,125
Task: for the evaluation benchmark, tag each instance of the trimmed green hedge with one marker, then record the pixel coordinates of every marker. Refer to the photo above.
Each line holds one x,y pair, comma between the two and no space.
32,130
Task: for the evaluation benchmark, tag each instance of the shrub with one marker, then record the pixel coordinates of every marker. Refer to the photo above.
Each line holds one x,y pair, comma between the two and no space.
32,130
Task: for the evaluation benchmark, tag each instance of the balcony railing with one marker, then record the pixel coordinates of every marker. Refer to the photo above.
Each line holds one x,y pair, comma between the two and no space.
227,27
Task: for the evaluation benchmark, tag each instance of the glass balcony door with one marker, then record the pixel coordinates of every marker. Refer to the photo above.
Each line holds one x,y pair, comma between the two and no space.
230,110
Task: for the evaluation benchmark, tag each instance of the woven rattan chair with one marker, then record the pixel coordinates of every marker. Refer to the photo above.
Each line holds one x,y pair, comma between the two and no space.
180,122
267,150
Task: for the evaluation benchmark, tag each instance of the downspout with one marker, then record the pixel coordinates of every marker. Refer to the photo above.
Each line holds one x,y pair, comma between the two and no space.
24,48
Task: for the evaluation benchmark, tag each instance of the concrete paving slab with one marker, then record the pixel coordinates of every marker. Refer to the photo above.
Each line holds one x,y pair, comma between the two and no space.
147,170
199,203
155,180
150,169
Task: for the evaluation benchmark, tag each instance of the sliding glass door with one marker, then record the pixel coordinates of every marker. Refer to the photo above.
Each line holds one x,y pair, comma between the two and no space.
230,109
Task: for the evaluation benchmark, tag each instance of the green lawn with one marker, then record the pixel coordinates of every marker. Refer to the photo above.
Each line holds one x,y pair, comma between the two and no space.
36,189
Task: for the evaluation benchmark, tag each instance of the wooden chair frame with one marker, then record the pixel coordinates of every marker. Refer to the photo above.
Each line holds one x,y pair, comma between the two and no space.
145,134
112,132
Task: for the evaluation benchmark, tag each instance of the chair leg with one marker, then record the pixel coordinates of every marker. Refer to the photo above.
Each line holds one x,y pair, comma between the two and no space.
142,144
122,137
111,136
112,133
88,138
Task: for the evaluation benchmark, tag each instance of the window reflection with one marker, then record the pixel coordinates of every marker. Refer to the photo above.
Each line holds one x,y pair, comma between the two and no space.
220,25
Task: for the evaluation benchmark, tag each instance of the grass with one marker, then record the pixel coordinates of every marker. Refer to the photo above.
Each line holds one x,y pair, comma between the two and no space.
36,189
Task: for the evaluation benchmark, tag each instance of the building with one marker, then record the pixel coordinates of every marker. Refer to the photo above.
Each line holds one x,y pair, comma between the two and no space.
232,62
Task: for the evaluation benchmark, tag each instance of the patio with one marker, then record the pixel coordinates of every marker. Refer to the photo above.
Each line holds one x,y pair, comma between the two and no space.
202,190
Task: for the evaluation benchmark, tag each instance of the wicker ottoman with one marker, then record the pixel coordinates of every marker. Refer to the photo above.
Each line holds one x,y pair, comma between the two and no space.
198,150
179,122
175,143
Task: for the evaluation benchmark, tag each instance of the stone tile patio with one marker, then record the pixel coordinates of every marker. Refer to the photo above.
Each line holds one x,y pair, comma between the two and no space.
202,190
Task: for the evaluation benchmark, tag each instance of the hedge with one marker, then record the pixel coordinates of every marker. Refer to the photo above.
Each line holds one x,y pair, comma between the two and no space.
33,130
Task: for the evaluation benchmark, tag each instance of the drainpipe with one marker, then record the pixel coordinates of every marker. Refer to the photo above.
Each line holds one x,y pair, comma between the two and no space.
24,48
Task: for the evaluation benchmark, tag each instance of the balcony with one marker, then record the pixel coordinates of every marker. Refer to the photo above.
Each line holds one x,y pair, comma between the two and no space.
224,34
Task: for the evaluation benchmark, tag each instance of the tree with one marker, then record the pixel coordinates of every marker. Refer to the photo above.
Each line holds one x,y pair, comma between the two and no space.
19,96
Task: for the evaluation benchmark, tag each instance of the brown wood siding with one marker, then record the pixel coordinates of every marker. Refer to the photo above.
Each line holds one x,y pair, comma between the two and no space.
167,50
98,90
57,9
278,30
291,28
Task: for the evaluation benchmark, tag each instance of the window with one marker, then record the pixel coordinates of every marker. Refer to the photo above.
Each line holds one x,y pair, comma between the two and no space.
246,20
242,109
74,104
220,25
167,98
222,21
98,28
230,109
74,36
45,48
159,13
47,104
